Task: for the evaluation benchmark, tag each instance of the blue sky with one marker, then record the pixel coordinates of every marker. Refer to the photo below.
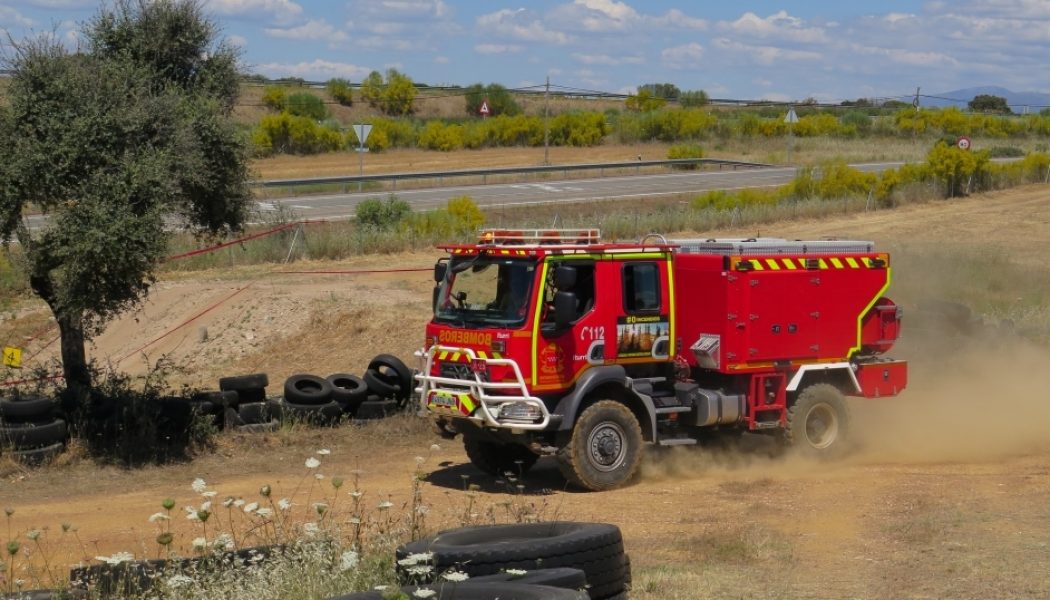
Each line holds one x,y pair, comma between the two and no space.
829,50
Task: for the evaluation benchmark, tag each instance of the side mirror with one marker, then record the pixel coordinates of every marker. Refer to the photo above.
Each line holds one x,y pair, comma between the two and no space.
434,298
440,268
565,277
564,309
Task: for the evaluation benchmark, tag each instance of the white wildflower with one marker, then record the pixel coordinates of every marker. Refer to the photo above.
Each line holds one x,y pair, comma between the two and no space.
354,521
284,504
228,502
199,485
239,502
515,572
324,451
210,494
318,476
385,504
356,494
348,560
420,460
34,534
455,576
205,507
422,509
224,542
199,543
251,507
117,558
435,448
158,516
264,512
312,463
380,588
191,513
311,529
424,593
419,570
415,559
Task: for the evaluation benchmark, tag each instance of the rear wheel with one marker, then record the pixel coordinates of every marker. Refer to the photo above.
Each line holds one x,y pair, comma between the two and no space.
499,459
605,448
819,422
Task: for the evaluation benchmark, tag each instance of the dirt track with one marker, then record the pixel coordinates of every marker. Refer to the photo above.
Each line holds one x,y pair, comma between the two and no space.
945,499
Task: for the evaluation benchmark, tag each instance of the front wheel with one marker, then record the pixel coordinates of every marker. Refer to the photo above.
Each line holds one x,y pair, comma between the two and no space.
605,448
819,422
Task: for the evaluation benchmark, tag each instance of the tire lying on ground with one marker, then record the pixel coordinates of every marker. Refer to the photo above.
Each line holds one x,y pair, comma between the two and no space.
562,577
392,371
468,590
24,436
594,548
37,456
315,414
307,389
251,413
380,385
348,390
22,410
249,388
375,408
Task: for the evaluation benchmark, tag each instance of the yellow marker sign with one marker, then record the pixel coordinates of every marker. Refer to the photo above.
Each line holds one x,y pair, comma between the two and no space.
12,357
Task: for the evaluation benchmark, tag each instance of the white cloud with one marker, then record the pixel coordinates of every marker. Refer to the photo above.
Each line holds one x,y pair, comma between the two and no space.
683,56
412,9
604,15
765,55
605,59
282,10
311,30
497,48
776,97
237,40
909,57
676,19
11,17
778,26
521,25
315,70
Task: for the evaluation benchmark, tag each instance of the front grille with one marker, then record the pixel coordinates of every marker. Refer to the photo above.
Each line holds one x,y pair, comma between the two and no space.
460,371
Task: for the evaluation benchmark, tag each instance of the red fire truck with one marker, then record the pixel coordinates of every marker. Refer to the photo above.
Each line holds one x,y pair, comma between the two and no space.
557,343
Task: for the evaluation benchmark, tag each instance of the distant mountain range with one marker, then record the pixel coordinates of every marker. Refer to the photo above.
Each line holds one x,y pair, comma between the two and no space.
1036,101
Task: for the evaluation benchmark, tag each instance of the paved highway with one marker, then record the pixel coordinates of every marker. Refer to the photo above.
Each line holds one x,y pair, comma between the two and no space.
341,206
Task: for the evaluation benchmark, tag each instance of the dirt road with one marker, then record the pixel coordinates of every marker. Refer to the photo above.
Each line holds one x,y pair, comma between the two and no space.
946,498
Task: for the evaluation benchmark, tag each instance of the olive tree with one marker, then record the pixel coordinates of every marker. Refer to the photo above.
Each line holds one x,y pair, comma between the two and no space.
117,145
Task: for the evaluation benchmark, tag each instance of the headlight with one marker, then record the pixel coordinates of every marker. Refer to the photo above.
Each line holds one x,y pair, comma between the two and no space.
520,411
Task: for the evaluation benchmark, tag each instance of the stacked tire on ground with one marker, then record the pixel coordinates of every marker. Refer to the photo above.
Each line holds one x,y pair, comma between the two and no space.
30,432
385,388
487,553
252,411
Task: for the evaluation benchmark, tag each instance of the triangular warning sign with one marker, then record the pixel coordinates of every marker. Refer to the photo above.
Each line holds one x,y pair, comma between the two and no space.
484,110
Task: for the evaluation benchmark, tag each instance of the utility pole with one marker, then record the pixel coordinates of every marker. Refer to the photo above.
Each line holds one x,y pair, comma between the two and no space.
546,126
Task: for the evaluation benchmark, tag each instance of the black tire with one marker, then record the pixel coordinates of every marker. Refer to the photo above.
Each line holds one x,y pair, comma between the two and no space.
348,390
315,414
563,577
381,386
470,590
45,595
307,389
38,456
819,422
26,436
259,412
393,370
499,459
223,399
255,381
21,410
375,409
605,448
120,580
594,548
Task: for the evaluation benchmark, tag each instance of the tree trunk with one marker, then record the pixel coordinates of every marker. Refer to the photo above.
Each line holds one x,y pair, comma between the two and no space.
74,358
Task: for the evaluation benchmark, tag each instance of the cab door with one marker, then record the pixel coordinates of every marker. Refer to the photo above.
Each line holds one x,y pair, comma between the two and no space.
561,353
644,325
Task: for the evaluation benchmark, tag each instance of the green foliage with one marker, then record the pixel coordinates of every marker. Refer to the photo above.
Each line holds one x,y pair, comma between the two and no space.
387,133
694,99
989,103
440,136
274,97
667,91
501,102
578,129
382,214
395,95
340,91
1005,152
116,145
685,151
955,169
460,217
644,101
305,104
288,134
372,89
735,199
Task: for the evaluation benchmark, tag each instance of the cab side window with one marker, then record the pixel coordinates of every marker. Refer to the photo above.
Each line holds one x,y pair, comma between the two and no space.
641,288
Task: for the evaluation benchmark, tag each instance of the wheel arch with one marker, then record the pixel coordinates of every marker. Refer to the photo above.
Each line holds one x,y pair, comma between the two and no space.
601,383
838,375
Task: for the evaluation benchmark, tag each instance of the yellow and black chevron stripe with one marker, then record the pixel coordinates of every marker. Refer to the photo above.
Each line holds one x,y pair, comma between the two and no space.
814,263
454,356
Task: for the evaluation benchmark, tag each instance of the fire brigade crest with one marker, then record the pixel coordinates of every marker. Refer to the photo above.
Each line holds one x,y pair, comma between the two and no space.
552,360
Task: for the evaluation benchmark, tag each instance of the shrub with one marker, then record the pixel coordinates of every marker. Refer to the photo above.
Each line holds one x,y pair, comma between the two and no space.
693,98
340,91
644,101
578,129
274,97
286,133
839,180
465,213
500,101
956,169
305,104
685,151
1005,152
440,136
382,214
735,199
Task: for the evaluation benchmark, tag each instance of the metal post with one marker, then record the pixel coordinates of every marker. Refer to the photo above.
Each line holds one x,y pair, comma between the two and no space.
360,164
546,126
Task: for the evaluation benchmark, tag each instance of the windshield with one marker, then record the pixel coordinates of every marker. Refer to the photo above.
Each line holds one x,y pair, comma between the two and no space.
486,291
